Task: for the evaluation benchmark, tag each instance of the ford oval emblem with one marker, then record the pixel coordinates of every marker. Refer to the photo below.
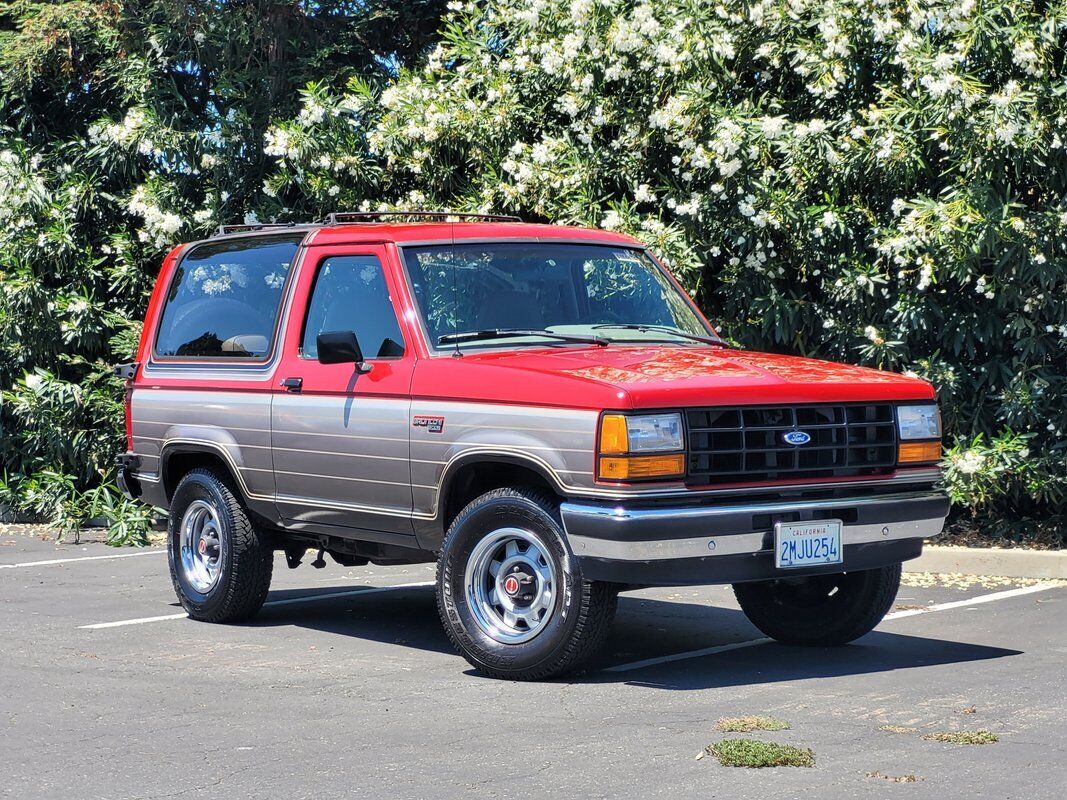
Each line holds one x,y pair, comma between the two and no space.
796,437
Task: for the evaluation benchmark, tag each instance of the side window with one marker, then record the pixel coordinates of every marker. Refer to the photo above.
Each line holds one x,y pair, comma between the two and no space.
350,294
224,298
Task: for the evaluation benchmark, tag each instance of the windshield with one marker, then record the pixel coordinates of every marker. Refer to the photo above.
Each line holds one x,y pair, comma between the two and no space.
613,293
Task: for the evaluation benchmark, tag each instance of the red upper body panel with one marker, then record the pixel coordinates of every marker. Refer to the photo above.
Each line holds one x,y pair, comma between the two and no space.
620,376
634,377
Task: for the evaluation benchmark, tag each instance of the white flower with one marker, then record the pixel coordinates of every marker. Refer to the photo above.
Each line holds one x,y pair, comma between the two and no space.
1006,132
970,462
772,127
728,168
926,275
644,194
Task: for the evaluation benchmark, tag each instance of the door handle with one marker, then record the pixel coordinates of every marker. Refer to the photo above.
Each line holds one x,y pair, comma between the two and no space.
293,384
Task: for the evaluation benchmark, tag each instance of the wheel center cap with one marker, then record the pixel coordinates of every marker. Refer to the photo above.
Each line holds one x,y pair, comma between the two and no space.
519,585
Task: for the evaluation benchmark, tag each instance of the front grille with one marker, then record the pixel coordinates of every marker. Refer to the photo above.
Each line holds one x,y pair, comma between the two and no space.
733,445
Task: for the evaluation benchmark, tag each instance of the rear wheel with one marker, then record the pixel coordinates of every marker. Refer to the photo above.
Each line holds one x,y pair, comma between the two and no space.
219,563
511,596
820,610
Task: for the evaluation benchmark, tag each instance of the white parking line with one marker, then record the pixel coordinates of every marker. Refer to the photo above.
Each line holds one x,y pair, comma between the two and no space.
83,558
707,651
974,601
911,612
290,601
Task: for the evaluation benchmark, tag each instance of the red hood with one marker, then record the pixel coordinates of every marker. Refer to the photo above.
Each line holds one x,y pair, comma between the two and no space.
661,377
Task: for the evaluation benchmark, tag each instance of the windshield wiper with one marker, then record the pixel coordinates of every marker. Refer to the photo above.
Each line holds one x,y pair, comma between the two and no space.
633,326
507,333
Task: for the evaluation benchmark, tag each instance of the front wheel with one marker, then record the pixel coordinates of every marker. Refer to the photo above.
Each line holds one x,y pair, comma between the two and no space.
821,610
511,596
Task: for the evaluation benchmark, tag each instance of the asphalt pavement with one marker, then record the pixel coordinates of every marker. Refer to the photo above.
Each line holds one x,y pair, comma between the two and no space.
345,686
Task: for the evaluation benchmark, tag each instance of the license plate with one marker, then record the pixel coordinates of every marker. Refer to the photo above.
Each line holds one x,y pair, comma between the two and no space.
807,544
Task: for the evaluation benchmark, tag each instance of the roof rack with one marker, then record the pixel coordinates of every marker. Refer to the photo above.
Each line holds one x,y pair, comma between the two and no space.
222,230
341,217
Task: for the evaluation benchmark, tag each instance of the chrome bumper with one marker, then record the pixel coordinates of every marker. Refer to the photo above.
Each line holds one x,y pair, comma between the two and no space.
730,543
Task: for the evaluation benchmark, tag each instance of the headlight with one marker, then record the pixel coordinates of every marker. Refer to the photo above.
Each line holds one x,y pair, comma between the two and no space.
628,442
918,422
922,423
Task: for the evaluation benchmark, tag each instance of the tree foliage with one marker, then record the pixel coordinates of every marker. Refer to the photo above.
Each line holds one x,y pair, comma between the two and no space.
124,127
877,181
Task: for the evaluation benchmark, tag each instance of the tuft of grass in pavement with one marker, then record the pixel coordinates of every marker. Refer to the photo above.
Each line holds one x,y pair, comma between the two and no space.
897,729
754,753
749,724
962,737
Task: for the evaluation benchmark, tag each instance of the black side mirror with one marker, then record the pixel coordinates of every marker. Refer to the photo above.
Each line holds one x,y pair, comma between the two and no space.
341,347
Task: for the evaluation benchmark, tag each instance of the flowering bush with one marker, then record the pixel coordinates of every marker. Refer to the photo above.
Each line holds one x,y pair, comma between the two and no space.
124,128
863,180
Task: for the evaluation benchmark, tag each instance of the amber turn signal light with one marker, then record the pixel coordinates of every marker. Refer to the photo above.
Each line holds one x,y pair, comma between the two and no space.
628,468
919,452
614,438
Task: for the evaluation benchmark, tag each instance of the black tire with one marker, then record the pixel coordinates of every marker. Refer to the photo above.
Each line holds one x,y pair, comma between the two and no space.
582,610
246,557
821,610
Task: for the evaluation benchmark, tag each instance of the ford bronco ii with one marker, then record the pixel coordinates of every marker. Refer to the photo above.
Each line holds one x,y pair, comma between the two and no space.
540,410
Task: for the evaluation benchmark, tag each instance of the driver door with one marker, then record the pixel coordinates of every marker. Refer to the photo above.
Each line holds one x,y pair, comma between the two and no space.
340,437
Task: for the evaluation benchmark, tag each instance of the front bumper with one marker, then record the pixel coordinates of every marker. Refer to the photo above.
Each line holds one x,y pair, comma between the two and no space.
684,545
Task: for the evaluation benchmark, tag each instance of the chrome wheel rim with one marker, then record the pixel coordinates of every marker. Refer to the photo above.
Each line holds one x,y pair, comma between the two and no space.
200,546
511,585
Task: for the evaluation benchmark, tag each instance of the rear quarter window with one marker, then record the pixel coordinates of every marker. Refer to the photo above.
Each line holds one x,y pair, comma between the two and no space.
224,298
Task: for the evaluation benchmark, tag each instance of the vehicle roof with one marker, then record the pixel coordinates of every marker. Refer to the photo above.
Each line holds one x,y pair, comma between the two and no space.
429,232
412,232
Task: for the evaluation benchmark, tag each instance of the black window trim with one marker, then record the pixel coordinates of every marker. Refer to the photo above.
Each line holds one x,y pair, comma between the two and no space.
188,250
311,296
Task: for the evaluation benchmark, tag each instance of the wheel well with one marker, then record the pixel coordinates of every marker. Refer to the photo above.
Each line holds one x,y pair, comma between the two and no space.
475,479
177,464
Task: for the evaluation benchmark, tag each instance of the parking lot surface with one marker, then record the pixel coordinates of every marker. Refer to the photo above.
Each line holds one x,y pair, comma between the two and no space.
345,686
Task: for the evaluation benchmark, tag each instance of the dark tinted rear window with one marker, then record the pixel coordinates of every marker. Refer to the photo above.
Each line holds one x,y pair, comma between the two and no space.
224,299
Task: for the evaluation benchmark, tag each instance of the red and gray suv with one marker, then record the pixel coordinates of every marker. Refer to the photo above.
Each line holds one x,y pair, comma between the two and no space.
540,410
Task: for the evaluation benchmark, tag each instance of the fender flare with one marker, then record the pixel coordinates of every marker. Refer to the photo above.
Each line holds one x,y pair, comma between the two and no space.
491,455
178,446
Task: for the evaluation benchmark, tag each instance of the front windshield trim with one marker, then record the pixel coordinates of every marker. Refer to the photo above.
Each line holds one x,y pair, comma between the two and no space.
445,350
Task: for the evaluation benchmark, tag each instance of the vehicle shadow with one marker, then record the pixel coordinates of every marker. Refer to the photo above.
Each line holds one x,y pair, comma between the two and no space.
402,616
695,627
644,628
